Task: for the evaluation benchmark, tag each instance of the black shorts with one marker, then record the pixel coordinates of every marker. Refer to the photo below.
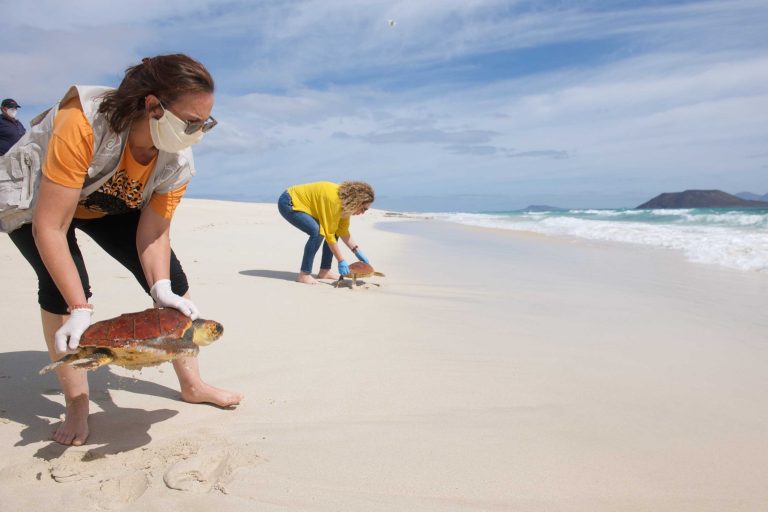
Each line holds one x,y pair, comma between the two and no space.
116,234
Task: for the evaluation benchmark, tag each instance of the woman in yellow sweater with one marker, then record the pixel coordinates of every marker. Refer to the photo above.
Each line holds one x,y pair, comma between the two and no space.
322,210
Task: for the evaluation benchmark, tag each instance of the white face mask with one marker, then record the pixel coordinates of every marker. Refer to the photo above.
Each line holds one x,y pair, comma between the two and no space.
11,112
168,133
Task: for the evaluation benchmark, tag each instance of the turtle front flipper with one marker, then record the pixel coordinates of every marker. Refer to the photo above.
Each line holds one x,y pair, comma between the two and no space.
83,362
92,361
56,364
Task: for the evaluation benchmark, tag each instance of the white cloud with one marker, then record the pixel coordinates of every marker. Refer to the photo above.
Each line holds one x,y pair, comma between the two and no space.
457,94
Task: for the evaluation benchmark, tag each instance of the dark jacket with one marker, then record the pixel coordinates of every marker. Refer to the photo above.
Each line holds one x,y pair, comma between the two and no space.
11,131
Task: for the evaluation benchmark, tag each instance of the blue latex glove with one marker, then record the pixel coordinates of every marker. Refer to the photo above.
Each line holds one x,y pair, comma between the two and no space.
343,268
361,256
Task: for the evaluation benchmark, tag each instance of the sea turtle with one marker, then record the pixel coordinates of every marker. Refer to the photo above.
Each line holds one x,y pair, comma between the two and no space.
145,338
359,270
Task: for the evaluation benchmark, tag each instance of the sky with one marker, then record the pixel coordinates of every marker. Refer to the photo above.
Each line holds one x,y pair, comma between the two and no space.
441,105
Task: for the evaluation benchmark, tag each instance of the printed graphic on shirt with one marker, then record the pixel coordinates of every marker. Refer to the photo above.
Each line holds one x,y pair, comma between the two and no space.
120,194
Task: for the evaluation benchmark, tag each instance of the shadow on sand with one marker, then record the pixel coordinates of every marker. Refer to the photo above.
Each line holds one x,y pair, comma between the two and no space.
284,276
271,274
116,429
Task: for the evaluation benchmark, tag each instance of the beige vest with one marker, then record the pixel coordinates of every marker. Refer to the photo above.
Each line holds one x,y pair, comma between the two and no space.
21,166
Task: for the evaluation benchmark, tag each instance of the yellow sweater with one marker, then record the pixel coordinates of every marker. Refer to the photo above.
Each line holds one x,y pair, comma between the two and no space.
321,201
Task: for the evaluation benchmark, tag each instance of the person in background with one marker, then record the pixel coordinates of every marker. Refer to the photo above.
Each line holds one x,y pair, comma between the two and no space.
11,128
322,210
114,164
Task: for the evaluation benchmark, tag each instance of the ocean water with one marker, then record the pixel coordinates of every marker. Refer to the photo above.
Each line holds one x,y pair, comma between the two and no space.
734,238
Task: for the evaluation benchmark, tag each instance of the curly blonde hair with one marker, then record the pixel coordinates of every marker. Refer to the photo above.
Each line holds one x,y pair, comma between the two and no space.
354,194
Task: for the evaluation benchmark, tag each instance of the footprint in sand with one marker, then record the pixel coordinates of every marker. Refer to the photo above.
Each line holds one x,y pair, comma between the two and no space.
116,493
69,468
210,468
200,473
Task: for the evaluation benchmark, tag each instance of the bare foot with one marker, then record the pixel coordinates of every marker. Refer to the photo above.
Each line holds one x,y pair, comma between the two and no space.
74,429
306,279
327,274
205,393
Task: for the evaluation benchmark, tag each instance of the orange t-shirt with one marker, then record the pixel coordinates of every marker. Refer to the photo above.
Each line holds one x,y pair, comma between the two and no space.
70,152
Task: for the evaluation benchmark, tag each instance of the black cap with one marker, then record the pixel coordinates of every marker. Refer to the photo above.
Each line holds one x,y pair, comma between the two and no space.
9,103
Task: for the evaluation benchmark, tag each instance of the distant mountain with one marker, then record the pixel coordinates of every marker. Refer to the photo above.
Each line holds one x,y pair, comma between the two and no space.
542,208
749,196
700,199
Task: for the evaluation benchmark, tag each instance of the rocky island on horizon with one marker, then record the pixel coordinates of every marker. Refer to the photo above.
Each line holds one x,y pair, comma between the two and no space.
537,208
699,199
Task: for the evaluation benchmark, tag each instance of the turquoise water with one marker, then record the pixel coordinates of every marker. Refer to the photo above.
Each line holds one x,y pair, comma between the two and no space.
734,238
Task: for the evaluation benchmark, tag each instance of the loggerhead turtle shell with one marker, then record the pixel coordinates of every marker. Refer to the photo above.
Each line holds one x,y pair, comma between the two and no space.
361,269
131,329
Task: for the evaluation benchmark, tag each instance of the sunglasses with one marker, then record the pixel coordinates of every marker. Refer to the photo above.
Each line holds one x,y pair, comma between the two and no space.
194,126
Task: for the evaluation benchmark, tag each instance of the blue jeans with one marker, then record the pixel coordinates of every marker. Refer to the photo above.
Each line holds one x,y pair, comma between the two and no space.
310,226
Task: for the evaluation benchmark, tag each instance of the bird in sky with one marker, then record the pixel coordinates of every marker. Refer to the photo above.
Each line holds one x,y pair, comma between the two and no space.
392,23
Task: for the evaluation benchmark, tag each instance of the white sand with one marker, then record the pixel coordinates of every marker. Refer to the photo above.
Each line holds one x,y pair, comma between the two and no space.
490,371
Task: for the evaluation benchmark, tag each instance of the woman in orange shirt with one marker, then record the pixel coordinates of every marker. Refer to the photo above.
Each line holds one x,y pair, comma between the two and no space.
114,164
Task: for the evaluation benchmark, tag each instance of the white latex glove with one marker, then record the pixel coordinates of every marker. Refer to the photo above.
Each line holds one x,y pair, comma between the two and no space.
164,296
67,338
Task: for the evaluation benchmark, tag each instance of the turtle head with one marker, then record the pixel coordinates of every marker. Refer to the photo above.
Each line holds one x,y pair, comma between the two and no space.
205,332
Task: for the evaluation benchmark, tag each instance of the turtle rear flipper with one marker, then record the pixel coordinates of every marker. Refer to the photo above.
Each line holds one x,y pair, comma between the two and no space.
88,362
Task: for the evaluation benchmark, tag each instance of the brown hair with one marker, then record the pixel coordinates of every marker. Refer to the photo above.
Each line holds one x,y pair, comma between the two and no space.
166,76
354,194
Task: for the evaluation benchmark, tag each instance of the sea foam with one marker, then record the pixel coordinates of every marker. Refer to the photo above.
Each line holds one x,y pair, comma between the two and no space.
732,238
